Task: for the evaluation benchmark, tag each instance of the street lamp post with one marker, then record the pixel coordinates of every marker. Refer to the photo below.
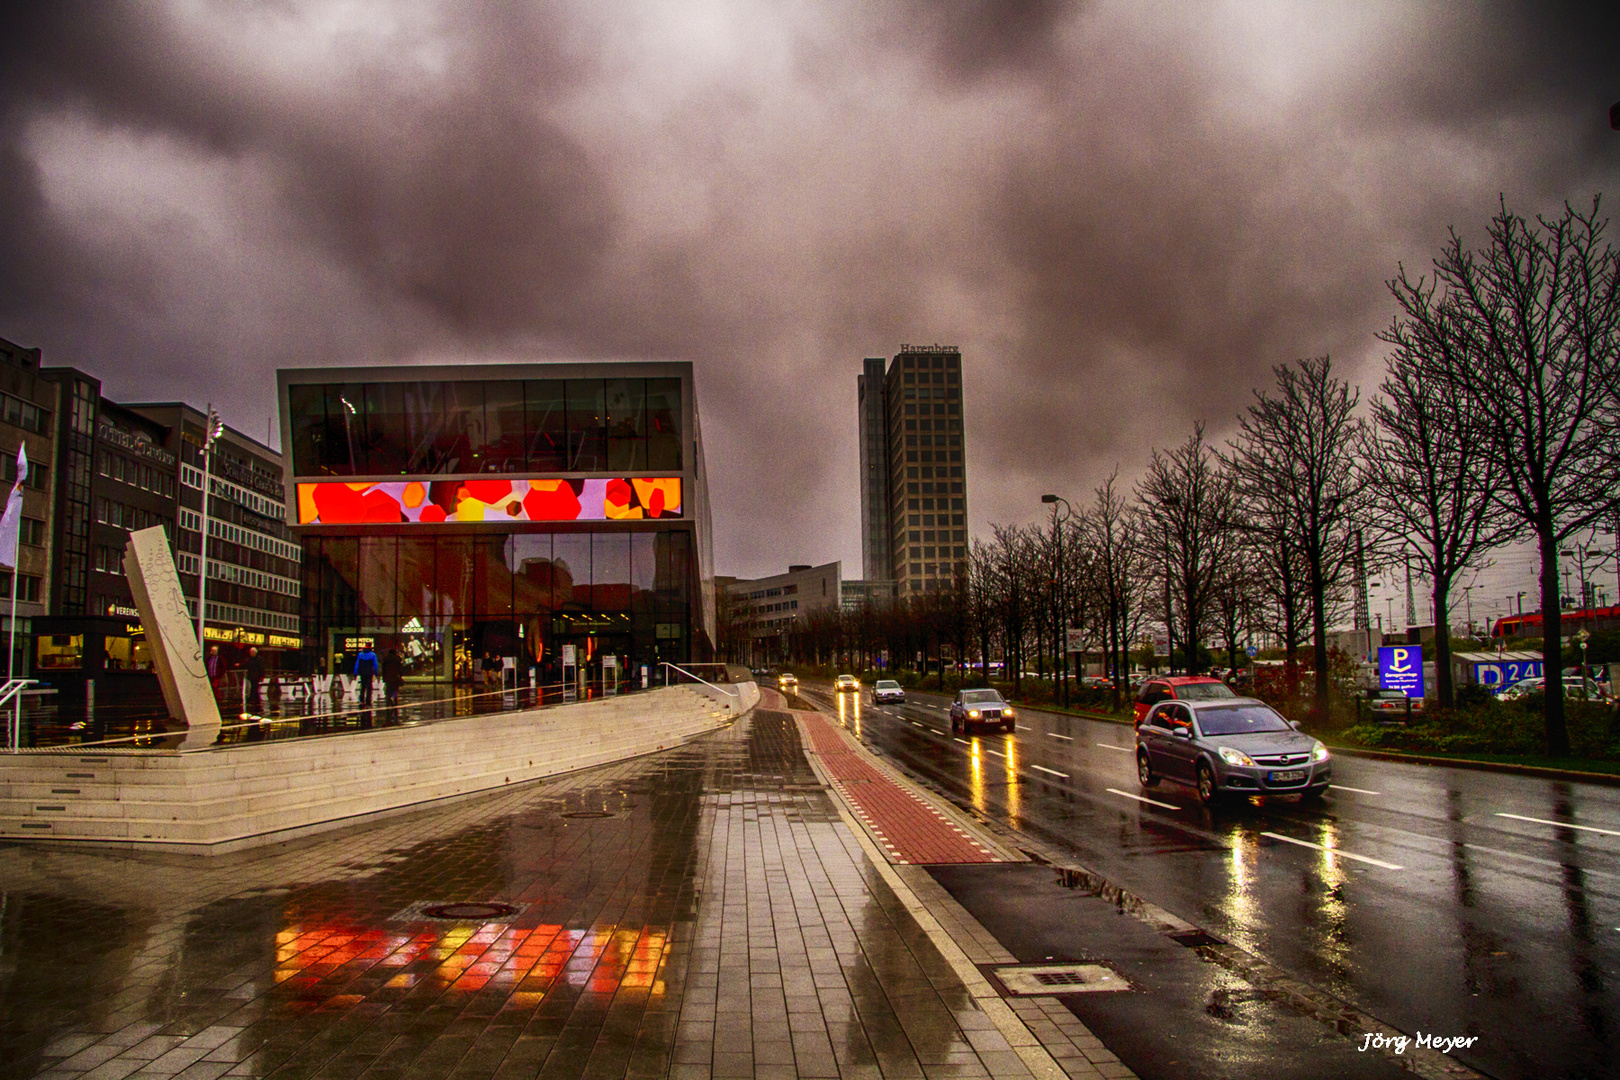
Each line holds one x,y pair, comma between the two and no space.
1062,619
211,431
1582,636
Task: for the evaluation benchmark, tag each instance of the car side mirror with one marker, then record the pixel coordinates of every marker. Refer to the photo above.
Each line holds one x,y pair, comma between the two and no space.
1181,732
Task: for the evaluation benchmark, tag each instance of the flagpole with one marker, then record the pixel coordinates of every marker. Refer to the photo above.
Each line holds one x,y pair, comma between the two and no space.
16,572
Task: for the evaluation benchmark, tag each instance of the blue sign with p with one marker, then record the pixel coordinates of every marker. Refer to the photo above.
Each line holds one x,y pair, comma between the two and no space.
1400,667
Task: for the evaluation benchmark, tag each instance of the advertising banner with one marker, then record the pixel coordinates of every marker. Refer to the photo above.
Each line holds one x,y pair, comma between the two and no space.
454,502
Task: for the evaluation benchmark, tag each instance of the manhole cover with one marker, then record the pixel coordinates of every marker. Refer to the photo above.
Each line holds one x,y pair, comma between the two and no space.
588,814
1031,979
472,912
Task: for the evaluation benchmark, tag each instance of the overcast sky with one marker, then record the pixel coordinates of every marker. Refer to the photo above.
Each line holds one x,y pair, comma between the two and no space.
1124,214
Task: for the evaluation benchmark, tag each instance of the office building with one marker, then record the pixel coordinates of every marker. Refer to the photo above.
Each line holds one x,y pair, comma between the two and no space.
532,513
861,593
127,467
916,463
28,410
768,609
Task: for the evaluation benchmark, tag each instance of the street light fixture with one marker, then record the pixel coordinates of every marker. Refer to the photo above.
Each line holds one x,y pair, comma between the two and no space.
1582,636
212,429
1062,621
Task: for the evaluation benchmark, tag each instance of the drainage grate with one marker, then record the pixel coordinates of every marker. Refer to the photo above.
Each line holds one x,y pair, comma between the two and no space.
588,814
1195,939
1025,980
474,912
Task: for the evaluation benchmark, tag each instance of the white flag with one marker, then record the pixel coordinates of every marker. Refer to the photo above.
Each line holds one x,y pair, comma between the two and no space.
11,527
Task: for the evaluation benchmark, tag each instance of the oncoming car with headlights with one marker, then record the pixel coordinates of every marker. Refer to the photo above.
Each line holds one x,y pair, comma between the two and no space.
980,708
1232,745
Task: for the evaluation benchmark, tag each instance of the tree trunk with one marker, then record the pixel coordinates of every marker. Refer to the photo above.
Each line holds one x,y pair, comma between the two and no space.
1442,644
1552,644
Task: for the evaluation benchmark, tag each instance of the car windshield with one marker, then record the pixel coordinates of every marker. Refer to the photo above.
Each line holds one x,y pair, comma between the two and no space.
1240,720
1206,691
887,684
980,697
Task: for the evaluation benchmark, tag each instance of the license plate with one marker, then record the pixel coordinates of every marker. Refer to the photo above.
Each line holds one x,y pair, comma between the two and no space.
1288,776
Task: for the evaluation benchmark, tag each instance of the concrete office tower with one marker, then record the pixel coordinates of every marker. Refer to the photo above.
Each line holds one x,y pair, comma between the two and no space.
877,552
921,451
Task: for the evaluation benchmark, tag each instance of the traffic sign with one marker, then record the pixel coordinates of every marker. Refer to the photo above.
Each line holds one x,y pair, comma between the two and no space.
1400,667
1252,651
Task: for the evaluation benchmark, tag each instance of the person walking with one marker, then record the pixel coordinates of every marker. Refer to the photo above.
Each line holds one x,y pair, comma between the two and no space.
365,667
393,676
215,666
253,671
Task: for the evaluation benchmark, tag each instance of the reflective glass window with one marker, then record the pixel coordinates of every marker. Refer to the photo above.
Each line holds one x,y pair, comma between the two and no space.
455,580
340,579
418,588
626,424
534,585
460,427
643,570
587,441
306,412
504,440
492,580
378,582
572,556
545,425
344,442
663,424
388,428
610,571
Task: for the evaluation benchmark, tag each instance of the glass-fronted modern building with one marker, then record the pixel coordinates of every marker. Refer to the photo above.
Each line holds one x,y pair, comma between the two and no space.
518,512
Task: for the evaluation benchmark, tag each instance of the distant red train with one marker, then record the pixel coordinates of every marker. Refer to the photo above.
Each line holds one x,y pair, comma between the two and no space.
1593,619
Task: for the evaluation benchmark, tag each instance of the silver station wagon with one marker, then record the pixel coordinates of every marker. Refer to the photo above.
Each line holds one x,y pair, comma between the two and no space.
1232,745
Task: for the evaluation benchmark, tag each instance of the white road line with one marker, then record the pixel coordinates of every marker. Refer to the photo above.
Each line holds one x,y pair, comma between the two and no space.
964,742
1539,862
1562,824
925,727
1111,746
998,753
1139,798
1022,727
1055,735
1358,791
1050,772
1333,851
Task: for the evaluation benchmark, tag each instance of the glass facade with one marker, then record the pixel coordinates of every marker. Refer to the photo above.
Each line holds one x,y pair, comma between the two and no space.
434,427
445,602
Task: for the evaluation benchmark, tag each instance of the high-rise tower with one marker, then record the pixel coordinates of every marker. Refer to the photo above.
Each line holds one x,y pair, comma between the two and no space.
916,461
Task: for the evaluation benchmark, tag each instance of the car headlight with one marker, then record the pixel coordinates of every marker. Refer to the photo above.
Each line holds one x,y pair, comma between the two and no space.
1320,752
1007,713
1236,757
973,713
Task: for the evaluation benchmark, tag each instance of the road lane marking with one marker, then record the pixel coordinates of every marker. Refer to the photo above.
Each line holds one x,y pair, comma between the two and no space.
1055,735
1111,746
1139,798
1333,851
1541,862
964,742
998,753
1051,772
1358,791
1022,727
1561,824
925,727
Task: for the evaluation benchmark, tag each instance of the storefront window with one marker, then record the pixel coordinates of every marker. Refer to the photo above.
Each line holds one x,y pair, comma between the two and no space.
573,562
610,572
60,652
127,654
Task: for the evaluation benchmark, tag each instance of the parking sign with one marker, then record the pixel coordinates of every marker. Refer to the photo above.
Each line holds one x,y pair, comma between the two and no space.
1400,667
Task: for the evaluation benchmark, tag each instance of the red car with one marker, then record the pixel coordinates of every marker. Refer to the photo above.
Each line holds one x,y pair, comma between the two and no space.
1180,687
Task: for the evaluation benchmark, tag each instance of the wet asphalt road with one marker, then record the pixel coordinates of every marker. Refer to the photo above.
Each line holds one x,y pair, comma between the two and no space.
1443,901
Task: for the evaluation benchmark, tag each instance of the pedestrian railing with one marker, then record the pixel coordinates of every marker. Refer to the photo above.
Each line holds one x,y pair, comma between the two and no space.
694,677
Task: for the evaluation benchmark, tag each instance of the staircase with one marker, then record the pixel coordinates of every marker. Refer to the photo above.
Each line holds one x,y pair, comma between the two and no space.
235,796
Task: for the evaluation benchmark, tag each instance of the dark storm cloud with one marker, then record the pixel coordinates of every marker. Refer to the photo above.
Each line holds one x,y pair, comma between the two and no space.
1124,215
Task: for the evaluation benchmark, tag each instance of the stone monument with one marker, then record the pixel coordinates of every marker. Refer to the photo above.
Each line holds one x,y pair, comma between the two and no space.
171,636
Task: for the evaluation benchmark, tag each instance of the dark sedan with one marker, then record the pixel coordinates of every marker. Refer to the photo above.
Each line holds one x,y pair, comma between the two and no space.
1236,745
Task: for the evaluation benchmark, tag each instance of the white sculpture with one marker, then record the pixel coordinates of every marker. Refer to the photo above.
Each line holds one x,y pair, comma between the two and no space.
171,636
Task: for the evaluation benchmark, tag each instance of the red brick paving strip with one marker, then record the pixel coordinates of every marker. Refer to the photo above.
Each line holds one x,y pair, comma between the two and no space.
910,829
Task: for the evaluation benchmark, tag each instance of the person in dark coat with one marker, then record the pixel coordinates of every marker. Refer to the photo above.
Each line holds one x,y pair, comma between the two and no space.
365,666
253,672
393,676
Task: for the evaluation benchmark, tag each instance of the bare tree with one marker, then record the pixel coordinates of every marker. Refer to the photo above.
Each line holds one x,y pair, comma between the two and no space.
1188,507
1115,572
1430,476
1535,317
1297,451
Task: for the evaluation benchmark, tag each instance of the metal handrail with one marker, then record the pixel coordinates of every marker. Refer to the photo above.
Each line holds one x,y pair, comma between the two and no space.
699,678
12,690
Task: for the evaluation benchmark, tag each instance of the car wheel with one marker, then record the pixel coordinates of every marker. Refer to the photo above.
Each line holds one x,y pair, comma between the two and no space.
1208,790
1314,795
1144,771
956,726
1009,727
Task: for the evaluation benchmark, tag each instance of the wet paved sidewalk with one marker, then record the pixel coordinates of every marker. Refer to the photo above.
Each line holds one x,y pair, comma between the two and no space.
702,912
